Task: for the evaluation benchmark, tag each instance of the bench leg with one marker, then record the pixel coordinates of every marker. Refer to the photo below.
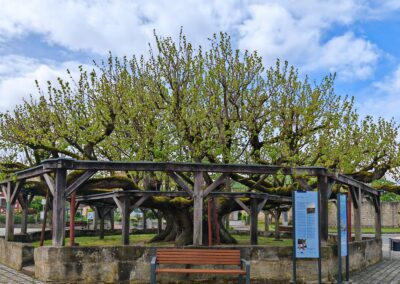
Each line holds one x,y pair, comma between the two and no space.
247,274
153,279
240,279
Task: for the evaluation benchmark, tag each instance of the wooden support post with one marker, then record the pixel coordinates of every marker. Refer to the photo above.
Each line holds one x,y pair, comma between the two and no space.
277,214
216,223
266,221
43,231
323,192
24,201
209,213
101,213
124,205
101,235
125,220
24,220
159,222
9,234
198,209
357,214
253,222
378,220
72,219
112,219
144,219
59,207
349,216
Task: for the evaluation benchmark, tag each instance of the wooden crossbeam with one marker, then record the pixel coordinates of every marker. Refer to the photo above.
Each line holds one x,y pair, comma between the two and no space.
221,180
15,192
331,183
181,183
50,183
139,202
241,204
262,204
79,181
354,197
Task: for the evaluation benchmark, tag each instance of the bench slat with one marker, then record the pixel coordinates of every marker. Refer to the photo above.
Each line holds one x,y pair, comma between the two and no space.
199,262
206,271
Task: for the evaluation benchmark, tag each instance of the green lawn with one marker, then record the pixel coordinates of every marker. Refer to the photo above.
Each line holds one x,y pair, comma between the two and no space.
144,238
369,230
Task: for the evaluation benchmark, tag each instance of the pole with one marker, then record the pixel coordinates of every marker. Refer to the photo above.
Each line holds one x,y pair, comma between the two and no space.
294,235
348,235
319,233
339,237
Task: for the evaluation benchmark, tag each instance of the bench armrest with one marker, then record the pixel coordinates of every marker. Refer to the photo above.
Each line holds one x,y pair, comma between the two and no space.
244,262
153,260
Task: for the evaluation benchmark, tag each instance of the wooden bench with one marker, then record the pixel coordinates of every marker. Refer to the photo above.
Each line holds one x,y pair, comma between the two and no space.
199,257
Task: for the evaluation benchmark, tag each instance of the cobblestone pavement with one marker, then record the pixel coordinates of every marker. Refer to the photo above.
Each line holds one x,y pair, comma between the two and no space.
10,276
385,272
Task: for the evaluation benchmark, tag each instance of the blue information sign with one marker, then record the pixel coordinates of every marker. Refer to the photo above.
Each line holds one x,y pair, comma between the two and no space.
343,223
306,224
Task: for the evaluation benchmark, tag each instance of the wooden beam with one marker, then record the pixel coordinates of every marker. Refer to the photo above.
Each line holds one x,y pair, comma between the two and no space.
198,209
79,181
179,167
50,183
181,183
59,207
26,174
221,180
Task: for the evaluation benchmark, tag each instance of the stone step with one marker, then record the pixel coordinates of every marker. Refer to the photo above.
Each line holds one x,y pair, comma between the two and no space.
29,270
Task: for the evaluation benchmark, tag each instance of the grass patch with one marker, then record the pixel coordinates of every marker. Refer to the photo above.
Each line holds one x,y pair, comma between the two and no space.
115,240
370,230
265,241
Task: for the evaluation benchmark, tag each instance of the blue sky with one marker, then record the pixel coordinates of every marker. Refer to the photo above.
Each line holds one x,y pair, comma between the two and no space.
357,39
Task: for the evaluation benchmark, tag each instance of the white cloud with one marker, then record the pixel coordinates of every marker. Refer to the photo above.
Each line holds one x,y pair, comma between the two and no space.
125,27
292,30
18,75
295,32
298,31
385,101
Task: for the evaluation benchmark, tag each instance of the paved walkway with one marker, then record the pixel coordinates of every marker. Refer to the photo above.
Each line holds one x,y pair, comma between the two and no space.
10,276
385,272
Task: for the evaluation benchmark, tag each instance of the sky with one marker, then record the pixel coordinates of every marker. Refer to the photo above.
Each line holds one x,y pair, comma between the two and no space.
358,40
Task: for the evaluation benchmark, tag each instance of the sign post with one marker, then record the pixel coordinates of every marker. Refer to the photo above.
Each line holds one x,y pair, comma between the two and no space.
342,233
306,234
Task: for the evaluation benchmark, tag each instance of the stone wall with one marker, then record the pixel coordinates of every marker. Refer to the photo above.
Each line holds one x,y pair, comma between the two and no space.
390,212
132,263
15,255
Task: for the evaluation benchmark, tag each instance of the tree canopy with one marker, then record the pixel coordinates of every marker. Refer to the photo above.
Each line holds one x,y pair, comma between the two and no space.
186,103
